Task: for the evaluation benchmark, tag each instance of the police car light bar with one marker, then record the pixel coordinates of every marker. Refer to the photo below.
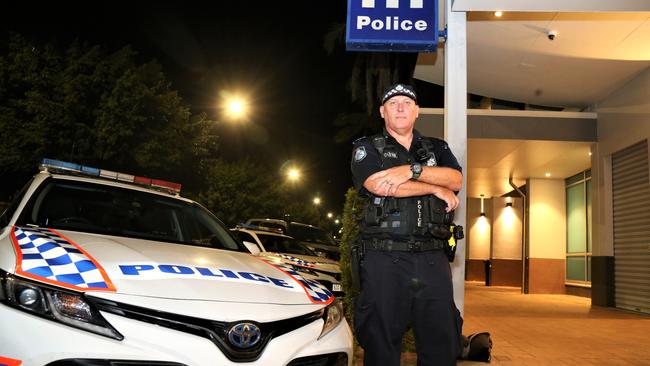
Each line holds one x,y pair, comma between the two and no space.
64,166
258,227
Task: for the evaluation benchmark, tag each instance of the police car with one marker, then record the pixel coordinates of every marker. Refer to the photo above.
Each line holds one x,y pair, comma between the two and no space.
104,268
312,236
282,249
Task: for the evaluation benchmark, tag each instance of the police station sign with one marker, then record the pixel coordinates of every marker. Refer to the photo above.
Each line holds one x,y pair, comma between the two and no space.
392,25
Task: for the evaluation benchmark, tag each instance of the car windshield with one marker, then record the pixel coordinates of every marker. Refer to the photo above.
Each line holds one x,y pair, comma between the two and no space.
102,209
310,234
282,244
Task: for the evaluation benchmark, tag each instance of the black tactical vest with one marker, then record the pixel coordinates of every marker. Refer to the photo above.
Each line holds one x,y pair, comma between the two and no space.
409,217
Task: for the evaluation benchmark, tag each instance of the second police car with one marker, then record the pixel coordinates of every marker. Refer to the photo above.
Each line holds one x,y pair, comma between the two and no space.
277,248
100,268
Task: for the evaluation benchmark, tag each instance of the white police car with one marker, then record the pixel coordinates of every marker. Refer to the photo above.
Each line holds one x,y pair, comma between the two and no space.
312,236
96,270
282,249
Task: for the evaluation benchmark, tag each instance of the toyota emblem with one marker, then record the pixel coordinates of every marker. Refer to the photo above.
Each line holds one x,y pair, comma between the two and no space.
244,335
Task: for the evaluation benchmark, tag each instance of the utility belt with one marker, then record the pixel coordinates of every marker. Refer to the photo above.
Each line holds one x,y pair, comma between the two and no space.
389,245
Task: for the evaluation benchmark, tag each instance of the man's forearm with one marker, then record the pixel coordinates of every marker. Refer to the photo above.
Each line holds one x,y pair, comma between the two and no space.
414,188
444,177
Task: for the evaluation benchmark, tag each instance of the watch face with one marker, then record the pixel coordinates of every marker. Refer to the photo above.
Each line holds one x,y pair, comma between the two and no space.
417,168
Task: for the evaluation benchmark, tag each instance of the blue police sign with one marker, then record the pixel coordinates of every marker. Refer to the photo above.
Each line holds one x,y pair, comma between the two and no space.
392,25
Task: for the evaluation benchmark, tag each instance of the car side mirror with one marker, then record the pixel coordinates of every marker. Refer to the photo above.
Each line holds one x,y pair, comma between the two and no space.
253,248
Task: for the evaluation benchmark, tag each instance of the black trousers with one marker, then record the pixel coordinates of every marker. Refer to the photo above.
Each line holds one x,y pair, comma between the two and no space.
402,289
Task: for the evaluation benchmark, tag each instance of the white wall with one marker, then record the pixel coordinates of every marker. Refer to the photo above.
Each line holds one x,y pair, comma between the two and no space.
547,218
623,120
506,228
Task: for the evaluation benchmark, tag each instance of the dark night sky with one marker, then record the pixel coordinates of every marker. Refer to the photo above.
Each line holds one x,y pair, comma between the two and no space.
270,50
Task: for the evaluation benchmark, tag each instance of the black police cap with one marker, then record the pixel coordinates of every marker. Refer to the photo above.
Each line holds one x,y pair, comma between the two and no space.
399,89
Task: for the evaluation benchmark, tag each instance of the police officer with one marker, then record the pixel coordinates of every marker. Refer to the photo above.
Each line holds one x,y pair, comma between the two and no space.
409,183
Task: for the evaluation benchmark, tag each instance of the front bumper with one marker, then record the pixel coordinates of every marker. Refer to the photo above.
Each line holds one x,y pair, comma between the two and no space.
38,341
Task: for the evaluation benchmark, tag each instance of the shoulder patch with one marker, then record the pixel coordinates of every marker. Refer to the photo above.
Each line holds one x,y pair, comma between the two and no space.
360,153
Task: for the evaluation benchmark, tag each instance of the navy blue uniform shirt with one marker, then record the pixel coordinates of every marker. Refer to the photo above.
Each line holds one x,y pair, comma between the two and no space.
366,160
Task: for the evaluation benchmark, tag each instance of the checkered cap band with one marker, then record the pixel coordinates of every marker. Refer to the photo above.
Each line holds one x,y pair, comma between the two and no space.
50,257
317,292
399,89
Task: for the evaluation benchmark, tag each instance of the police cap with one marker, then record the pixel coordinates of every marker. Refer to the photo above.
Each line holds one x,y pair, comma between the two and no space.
399,89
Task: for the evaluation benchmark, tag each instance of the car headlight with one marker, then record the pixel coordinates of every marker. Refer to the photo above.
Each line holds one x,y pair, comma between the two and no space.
62,306
332,316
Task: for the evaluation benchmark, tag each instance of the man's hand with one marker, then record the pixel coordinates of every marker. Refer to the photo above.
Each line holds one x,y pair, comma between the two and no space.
448,196
386,182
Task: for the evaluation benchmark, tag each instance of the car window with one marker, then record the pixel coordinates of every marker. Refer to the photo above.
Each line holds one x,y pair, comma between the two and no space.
244,236
9,212
281,244
310,234
103,209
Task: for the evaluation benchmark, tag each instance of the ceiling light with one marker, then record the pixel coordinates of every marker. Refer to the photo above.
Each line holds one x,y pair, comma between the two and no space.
590,153
498,13
548,174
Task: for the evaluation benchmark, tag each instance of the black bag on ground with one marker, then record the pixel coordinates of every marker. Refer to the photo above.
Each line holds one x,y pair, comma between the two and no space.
477,347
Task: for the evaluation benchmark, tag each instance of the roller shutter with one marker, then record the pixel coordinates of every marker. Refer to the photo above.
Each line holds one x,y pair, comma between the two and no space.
631,203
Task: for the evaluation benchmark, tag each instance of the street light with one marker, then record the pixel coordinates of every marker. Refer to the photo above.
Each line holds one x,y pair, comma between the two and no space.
330,215
317,201
293,174
235,107
337,221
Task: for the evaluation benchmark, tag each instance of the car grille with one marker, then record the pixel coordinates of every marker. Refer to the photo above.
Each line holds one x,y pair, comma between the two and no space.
104,362
213,330
332,359
336,275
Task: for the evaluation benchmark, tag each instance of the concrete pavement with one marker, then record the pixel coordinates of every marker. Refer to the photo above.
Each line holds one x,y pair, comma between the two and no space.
563,330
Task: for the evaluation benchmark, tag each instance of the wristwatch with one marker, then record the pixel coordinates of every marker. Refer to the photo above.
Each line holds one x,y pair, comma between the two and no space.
416,169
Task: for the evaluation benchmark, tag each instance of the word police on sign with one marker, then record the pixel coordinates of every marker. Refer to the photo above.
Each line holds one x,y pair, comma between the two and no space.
392,25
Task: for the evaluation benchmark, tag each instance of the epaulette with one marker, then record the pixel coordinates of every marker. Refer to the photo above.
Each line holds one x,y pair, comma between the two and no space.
437,141
359,139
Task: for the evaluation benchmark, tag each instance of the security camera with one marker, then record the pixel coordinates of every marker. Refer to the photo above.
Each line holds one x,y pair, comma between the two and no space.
551,34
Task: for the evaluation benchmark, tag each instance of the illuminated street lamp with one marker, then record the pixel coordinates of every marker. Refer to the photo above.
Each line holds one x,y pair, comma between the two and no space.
235,107
330,215
337,221
317,201
293,174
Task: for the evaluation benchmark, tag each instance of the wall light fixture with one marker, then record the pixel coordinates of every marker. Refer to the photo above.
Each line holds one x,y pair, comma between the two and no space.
482,207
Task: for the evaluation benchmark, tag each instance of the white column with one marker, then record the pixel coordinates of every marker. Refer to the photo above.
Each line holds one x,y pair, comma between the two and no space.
456,126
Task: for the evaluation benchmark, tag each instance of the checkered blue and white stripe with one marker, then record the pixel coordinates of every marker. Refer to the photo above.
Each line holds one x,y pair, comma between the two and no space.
47,255
315,290
298,261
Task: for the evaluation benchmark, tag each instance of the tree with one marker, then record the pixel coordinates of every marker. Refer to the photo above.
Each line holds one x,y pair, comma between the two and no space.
94,107
238,191
371,73
349,236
